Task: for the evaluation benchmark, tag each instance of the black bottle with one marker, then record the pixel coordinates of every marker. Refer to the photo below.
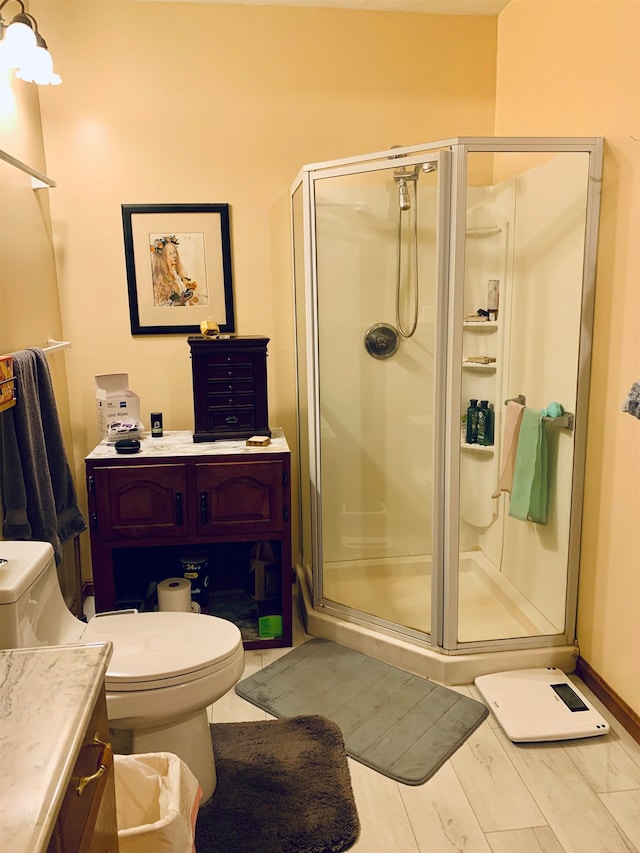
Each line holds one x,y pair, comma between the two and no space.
156,424
472,422
485,424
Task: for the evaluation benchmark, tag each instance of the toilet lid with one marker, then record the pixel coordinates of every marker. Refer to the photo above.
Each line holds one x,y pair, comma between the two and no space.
152,650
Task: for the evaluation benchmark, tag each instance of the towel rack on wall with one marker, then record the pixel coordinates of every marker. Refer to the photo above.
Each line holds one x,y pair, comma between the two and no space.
38,180
565,420
54,346
51,347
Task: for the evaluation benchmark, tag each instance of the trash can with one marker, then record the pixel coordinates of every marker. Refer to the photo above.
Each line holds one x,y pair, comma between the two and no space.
157,799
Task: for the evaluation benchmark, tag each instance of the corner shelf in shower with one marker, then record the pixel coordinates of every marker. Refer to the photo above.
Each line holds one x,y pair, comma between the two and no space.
491,231
475,365
479,448
481,326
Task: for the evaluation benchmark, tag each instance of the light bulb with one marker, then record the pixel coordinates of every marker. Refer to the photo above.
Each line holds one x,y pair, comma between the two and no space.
37,67
19,41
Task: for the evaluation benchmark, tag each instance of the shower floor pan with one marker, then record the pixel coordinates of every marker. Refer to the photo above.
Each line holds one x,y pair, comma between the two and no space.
399,591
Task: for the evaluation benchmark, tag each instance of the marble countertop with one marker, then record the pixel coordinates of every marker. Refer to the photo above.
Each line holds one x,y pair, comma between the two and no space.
181,443
47,695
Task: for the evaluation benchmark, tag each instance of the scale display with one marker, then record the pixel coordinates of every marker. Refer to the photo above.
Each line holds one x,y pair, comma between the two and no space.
539,705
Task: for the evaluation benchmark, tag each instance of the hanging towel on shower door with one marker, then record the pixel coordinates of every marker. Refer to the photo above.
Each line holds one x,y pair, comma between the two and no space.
512,421
530,487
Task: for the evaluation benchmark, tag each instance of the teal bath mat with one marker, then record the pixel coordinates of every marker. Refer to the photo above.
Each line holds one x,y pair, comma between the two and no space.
397,723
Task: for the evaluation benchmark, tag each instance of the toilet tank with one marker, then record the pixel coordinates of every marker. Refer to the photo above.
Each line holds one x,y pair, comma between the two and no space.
32,609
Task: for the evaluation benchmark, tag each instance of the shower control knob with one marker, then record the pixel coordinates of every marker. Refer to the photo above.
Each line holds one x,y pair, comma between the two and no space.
381,340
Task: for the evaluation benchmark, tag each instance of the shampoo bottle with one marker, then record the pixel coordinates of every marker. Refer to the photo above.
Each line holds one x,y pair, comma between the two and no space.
485,424
472,422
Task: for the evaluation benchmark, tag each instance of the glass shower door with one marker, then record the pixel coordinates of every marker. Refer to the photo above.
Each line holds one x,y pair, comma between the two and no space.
525,237
379,299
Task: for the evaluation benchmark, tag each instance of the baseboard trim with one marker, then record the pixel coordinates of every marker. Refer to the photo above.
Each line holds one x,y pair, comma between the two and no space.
609,698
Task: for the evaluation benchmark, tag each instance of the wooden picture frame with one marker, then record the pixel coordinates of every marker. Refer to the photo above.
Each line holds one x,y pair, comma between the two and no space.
178,256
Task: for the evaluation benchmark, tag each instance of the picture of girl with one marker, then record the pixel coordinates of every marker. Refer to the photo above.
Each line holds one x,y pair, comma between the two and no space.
172,287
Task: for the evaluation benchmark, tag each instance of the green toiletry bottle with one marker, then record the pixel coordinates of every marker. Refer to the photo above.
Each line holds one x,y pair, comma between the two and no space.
485,424
472,422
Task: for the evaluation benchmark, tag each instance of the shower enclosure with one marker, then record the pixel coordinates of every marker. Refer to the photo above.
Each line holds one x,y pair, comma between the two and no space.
426,277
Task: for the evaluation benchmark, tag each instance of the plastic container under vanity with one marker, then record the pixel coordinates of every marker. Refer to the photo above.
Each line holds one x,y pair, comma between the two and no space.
195,567
264,573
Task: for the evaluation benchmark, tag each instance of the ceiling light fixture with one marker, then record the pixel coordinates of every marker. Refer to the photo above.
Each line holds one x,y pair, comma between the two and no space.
23,49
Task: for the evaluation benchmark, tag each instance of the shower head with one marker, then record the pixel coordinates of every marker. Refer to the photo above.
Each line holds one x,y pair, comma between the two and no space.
404,174
403,195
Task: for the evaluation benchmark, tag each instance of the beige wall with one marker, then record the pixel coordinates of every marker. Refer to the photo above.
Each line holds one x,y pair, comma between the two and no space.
167,103
580,75
29,301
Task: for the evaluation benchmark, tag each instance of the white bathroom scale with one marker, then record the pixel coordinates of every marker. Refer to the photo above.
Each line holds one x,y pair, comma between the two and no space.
540,704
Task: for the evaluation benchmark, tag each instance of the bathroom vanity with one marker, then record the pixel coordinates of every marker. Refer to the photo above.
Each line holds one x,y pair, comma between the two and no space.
55,742
222,498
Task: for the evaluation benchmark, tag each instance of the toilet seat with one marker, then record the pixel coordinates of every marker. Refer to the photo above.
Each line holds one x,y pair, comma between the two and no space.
163,649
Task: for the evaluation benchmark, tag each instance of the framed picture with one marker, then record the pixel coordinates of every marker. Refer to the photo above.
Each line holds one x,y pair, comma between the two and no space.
178,260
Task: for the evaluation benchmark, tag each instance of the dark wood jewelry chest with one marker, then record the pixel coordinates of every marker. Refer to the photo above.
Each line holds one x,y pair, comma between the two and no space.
229,387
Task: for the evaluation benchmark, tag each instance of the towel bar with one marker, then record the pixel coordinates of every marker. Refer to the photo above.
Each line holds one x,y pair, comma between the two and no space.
565,420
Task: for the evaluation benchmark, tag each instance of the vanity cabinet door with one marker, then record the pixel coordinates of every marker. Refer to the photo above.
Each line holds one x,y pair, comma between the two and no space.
242,497
140,501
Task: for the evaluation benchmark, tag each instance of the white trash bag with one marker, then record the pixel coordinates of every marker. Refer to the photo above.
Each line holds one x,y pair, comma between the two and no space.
157,799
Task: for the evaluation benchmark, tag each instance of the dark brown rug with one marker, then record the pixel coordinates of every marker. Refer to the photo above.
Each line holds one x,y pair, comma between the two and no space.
283,787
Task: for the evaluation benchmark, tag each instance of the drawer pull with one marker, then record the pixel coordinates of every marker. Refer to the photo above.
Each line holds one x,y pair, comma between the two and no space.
105,755
232,419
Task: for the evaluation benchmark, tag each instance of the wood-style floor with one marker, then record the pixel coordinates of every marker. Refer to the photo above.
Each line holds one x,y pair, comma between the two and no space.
494,796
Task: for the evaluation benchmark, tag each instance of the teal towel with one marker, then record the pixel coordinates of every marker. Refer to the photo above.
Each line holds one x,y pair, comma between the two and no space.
530,489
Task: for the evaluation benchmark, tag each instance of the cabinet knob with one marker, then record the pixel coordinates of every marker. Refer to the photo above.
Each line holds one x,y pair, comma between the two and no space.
204,507
179,513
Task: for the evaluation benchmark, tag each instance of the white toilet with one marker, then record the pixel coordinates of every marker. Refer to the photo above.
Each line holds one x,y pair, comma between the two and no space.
165,670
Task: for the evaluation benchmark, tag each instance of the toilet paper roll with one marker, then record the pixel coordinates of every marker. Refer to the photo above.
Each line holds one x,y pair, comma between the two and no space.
174,595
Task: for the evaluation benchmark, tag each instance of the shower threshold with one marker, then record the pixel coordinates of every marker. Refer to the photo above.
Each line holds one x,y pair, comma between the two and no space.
490,609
